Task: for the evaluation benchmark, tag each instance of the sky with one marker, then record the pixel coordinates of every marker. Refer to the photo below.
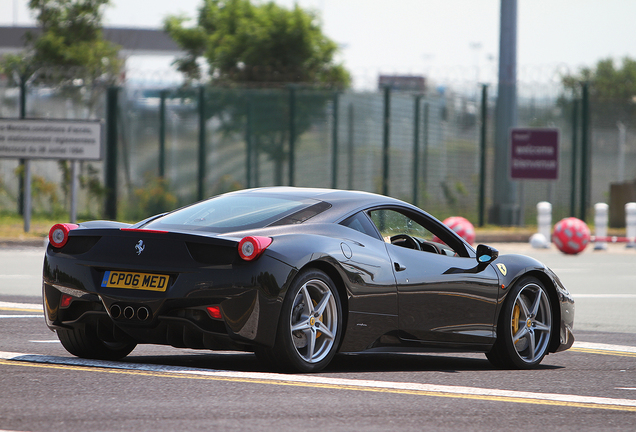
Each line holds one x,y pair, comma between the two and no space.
454,40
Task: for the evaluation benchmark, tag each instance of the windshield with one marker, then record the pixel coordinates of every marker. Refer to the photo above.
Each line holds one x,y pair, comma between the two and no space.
228,213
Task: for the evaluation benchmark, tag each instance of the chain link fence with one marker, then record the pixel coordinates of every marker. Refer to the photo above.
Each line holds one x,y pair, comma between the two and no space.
315,138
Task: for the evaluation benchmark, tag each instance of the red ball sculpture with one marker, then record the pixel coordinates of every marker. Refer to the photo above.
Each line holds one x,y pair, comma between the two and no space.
462,227
571,235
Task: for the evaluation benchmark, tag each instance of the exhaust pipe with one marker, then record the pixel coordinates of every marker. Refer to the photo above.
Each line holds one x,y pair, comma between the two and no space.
143,313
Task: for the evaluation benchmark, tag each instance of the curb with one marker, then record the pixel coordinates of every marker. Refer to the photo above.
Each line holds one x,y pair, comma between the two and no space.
32,242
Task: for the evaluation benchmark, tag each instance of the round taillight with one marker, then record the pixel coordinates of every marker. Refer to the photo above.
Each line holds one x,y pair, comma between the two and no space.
252,247
58,235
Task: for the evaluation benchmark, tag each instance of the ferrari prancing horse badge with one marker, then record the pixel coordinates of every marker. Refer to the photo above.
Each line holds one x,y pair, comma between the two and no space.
502,269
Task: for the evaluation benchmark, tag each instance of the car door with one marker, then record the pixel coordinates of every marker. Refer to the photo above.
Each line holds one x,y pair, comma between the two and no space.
444,295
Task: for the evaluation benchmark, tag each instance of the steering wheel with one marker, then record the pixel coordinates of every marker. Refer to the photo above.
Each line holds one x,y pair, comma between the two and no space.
405,240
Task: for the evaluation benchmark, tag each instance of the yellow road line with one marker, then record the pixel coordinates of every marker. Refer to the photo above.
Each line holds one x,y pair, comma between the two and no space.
603,352
322,385
21,310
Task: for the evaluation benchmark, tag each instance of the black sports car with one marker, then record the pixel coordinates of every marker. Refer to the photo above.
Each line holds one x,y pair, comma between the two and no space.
297,275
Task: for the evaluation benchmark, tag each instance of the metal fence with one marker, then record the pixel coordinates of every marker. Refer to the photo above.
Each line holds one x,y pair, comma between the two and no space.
174,149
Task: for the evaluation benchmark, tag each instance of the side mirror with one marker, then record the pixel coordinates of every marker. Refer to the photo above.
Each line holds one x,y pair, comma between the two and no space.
486,254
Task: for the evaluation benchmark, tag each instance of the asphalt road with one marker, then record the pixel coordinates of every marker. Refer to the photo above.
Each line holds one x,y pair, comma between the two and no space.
590,387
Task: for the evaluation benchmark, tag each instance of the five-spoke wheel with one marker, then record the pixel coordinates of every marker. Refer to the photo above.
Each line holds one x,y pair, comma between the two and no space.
310,325
525,326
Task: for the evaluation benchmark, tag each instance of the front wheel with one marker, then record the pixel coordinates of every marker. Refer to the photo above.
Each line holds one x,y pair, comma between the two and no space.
310,325
524,328
84,342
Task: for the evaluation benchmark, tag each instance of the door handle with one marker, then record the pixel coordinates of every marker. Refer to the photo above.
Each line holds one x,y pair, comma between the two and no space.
399,267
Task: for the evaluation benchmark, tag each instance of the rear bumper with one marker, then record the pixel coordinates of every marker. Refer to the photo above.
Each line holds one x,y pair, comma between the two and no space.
248,296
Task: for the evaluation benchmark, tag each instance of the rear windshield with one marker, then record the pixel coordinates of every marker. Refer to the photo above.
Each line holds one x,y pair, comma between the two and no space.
228,213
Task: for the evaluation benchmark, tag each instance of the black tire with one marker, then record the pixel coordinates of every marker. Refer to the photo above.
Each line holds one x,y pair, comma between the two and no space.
266,357
83,342
310,325
524,328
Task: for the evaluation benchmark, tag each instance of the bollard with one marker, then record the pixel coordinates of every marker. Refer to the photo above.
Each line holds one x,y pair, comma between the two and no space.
601,221
544,223
630,223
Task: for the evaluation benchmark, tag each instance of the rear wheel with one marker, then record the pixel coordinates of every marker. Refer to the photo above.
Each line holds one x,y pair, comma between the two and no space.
524,328
84,342
310,325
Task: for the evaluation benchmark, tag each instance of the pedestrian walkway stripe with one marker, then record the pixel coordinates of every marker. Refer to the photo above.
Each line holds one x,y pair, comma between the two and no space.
318,381
604,349
20,307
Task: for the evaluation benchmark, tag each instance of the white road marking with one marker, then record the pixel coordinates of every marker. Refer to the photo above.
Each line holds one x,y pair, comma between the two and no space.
45,341
30,306
604,296
21,316
604,347
351,384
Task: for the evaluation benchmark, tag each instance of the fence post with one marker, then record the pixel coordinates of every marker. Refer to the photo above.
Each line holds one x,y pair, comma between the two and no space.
334,150
202,152
292,133
575,130
21,181
425,147
385,140
482,153
248,141
27,195
416,149
585,152
110,205
162,132
350,137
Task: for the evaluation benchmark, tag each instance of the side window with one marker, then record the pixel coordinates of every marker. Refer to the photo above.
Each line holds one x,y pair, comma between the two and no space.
401,230
391,223
360,222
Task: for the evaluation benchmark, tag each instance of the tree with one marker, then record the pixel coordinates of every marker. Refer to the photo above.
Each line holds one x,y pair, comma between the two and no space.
612,89
265,44
68,49
68,52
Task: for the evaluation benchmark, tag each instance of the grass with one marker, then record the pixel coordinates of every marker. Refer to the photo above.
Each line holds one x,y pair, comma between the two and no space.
12,227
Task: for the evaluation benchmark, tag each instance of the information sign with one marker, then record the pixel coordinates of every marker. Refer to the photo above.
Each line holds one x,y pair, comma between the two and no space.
51,139
534,154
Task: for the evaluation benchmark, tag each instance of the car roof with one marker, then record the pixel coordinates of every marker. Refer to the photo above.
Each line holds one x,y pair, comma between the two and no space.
343,201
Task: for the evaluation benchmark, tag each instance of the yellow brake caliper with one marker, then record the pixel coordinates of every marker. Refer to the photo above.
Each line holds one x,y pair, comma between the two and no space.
318,334
515,319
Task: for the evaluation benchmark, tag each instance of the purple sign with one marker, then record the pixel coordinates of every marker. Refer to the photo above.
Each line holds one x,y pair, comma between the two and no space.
534,154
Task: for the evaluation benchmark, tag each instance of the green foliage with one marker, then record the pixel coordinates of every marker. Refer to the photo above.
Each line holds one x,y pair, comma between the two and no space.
258,44
226,183
89,179
262,45
153,198
612,90
69,42
607,81
44,195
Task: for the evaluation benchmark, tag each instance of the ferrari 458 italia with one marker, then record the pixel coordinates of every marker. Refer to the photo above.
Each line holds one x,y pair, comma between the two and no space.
297,275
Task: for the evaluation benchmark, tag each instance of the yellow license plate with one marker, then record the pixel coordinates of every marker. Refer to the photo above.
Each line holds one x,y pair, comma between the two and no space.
133,280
